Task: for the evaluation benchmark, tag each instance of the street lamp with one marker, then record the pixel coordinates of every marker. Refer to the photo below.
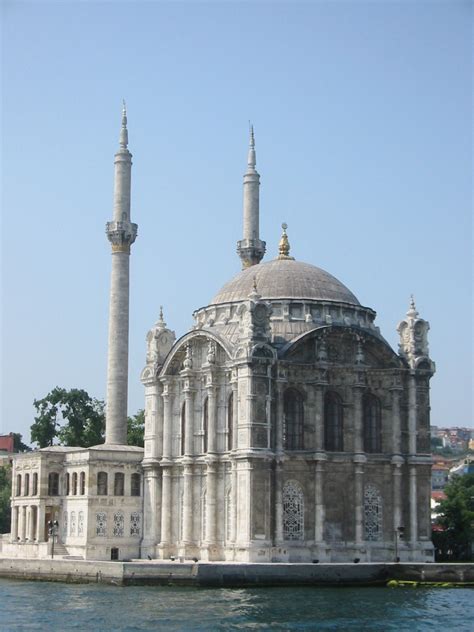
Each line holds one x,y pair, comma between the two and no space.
53,531
399,531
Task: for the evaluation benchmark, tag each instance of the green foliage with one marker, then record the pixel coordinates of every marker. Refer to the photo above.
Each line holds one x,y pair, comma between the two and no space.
436,442
18,444
136,429
72,417
5,493
456,517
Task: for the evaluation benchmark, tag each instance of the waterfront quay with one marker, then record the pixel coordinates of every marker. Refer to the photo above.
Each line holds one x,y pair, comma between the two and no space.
223,574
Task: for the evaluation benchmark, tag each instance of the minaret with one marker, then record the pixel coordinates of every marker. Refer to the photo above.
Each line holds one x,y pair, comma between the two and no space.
121,234
251,249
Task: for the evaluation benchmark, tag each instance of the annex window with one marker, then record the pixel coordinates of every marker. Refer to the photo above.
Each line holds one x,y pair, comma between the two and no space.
72,530
119,486
333,423
119,522
82,483
293,511
230,422
135,523
68,484
80,523
293,427
372,513
53,484
102,482
372,423
18,484
26,490
74,483
135,485
34,491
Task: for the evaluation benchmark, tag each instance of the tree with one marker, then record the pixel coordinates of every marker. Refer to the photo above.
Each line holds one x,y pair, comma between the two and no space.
454,537
5,493
18,445
72,417
136,429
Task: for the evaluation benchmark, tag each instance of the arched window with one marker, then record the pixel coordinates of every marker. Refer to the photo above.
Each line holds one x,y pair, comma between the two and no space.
333,423
293,511
26,491
183,428
74,483
34,491
119,480
102,483
53,484
18,484
293,429
372,513
135,485
82,483
372,425
68,489
230,422
205,424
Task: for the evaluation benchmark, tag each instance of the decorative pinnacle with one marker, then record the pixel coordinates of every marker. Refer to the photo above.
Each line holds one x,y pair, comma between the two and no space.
252,159
412,311
161,321
284,245
124,131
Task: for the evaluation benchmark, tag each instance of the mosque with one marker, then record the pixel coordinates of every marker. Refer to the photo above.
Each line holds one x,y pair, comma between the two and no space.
281,428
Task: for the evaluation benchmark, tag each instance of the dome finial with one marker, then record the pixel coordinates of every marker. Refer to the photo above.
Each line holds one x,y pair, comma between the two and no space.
284,245
412,310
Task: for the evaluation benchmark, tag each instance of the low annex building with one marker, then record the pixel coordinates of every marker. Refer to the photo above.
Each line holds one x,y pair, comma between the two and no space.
281,428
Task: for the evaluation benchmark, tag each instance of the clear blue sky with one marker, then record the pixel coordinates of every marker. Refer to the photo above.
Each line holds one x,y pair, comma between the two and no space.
362,112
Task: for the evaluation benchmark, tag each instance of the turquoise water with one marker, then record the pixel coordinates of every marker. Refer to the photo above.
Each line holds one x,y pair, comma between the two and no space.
51,607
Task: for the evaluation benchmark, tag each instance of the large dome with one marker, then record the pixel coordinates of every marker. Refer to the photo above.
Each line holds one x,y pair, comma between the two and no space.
285,279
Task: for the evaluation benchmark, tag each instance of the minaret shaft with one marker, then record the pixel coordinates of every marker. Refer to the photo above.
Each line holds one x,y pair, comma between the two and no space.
121,234
251,249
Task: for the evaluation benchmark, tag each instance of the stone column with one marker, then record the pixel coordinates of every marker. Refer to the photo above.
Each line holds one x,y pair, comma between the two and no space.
396,422
153,416
31,523
211,419
189,423
319,506
151,505
412,415
279,416
22,525
359,500
167,414
188,504
40,518
234,501
397,492
211,485
14,524
166,509
278,502
358,421
235,415
413,505
319,418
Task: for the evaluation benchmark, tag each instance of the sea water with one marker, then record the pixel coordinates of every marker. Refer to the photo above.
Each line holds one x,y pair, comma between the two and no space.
56,607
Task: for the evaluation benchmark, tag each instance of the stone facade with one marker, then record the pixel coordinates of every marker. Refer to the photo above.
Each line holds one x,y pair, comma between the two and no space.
281,428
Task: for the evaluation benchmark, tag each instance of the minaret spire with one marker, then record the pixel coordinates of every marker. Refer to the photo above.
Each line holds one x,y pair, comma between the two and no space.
251,249
121,234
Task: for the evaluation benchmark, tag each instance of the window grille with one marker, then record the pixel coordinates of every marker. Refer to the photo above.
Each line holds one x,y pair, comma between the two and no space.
80,523
135,523
119,524
65,524
101,524
72,530
372,513
293,511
